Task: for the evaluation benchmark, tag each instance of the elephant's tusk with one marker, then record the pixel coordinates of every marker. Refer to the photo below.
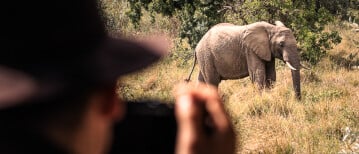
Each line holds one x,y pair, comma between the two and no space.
290,66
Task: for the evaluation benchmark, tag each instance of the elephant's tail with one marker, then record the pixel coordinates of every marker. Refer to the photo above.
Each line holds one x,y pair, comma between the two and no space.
194,64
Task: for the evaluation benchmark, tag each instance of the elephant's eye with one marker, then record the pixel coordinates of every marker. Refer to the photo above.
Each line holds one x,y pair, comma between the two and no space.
281,44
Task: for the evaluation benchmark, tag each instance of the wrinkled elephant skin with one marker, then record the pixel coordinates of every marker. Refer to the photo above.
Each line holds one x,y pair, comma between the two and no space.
228,51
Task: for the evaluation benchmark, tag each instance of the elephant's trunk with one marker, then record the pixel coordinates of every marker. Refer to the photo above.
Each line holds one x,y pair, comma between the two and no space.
296,83
291,58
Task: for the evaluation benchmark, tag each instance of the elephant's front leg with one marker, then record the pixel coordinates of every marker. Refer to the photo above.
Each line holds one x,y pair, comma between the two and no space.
270,73
258,76
257,70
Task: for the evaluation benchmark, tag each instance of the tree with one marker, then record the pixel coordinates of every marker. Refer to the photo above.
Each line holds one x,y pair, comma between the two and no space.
197,16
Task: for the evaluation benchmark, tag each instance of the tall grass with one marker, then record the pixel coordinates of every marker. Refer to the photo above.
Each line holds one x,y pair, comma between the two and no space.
272,121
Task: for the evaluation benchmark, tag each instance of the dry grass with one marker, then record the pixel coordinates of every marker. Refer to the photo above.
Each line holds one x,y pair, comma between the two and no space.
273,121
155,82
346,54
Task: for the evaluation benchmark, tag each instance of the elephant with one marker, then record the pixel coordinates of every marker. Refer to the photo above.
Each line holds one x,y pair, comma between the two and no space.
228,51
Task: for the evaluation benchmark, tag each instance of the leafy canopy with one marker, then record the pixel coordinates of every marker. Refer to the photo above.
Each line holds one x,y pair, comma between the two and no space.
306,18
196,16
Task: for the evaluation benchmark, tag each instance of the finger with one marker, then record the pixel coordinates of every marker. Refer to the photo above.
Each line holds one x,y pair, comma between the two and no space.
188,112
209,96
209,101
189,116
199,90
222,132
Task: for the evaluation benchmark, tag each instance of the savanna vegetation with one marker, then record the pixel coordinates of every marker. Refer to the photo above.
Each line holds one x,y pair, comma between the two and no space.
326,120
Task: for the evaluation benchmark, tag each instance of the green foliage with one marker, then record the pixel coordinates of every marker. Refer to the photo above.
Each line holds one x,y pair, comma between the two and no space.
181,53
341,8
307,18
315,46
196,16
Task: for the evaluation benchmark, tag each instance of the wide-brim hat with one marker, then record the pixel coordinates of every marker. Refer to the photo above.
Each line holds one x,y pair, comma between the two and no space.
50,48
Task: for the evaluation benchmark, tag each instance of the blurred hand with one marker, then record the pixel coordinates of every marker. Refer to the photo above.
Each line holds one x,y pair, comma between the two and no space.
203,125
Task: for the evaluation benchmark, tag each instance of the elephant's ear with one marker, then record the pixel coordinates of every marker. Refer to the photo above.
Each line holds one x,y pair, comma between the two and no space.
257,40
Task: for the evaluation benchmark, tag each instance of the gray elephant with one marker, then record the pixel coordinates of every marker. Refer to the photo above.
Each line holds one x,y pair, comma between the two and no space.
228,51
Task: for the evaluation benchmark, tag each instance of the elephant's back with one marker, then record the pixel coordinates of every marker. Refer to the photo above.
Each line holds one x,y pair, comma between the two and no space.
221,45
223,24
219,37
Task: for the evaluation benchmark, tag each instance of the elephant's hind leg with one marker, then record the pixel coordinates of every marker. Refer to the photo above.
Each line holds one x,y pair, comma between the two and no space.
212,77
215,81
212,82
200,77
208,73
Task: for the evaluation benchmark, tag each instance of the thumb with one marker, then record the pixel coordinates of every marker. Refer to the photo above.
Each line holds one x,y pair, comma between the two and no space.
189,116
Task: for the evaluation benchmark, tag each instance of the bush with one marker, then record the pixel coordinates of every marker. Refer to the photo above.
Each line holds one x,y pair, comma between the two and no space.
196,16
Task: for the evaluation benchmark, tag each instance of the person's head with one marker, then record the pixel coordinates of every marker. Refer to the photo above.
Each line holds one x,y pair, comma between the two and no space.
58,70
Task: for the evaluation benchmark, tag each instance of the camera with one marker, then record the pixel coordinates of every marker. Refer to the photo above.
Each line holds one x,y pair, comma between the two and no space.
148,127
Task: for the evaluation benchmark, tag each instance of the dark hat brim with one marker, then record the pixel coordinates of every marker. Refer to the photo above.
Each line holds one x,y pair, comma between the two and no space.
121,56
113,58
